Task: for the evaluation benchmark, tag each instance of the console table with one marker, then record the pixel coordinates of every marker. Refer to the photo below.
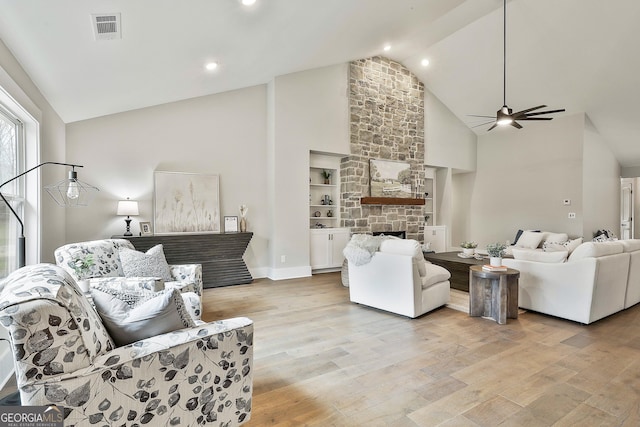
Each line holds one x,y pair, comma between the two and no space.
219,253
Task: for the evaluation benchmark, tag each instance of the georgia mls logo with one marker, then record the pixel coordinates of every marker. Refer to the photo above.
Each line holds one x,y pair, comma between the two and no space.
32,416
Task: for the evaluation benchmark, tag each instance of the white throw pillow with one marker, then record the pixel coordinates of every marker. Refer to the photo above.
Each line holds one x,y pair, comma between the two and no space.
529,239
150,264
539,256
555,237
571,245
129,320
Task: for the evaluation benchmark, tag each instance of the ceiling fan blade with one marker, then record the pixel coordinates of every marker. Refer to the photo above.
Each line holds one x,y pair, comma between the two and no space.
494,125
516,125
483,124
535,118
546,112
475,115
521,113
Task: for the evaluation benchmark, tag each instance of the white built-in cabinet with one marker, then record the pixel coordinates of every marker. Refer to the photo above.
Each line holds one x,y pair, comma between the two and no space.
326,247
327,239
429,197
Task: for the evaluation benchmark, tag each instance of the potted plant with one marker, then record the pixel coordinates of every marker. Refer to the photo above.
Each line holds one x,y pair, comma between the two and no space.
326,174
496,251
468,248
82,267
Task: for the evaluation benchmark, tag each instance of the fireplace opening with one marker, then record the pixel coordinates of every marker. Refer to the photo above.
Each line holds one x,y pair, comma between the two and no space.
400,234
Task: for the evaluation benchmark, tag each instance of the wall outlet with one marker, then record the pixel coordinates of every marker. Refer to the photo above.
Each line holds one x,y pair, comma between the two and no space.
283,259
566,202
572,215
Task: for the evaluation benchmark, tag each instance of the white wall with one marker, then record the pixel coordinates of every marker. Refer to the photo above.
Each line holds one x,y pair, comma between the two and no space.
221,134
17,84
522,178
258,140
310,113
448,141
601,185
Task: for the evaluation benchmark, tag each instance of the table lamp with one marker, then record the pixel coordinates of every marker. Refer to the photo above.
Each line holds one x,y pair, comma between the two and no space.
127,207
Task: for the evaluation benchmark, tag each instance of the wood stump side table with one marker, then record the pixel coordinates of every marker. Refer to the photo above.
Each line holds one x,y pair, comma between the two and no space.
493,294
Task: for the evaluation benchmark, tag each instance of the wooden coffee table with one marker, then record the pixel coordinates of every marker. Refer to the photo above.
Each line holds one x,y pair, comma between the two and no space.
458,267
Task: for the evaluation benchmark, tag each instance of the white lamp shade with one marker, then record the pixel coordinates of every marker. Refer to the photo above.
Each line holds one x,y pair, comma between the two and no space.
127,207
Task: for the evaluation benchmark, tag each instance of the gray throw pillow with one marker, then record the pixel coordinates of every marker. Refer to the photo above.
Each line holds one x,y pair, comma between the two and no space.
150,264
130,318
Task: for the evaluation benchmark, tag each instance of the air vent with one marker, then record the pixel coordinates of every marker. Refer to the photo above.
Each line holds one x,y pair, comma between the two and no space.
106,26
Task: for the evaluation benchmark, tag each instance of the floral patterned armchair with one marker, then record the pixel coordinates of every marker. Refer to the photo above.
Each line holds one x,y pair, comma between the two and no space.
107,269
65,356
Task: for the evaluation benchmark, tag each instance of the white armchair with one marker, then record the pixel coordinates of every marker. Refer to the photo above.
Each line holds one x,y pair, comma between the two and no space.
399,280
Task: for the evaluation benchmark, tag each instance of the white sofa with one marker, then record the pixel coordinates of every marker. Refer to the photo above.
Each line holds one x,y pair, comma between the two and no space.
596,280
399,280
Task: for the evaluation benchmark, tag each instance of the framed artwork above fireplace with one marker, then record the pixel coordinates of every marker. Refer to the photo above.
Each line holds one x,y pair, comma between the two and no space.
390,178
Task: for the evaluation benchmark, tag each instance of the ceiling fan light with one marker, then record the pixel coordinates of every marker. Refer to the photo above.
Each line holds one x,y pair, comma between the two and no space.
503,116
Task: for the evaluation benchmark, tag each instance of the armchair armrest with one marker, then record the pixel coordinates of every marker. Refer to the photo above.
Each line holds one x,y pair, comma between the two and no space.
184,377
190,273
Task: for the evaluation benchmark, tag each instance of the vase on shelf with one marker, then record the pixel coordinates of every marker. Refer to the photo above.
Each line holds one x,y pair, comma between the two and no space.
495,261
243,225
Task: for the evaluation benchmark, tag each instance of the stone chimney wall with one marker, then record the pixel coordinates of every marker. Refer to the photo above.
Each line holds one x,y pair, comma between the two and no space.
387,122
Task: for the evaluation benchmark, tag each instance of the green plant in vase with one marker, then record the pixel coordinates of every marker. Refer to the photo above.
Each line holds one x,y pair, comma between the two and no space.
326,174
468,248
496,251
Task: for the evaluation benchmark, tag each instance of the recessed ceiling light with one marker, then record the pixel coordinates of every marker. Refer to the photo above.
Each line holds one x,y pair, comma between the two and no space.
424,62
387,47
211,66
248,2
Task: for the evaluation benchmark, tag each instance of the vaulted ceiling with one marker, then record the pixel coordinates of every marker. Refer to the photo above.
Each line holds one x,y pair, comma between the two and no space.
575,54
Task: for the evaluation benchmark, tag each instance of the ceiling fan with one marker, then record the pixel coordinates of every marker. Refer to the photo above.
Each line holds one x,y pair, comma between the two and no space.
505,115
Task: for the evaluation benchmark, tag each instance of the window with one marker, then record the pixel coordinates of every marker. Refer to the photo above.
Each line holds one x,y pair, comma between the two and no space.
11,164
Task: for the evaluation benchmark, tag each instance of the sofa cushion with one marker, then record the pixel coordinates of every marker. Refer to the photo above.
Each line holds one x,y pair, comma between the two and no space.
554,237
529,239
596,249
150,264
130,318
539,256
405,247
630,245
434,274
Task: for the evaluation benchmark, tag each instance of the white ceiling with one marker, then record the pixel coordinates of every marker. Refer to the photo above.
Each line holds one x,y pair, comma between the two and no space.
580,55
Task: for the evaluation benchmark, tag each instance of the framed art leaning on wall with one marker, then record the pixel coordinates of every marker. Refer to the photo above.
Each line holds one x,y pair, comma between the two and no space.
186,203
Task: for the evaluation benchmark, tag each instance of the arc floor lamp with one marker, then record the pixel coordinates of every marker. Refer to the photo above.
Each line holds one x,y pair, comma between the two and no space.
69,192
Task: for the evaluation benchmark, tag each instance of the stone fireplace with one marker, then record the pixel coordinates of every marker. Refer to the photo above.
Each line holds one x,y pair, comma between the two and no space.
386,104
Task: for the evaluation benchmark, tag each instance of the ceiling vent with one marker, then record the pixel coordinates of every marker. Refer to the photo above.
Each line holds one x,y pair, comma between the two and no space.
106,26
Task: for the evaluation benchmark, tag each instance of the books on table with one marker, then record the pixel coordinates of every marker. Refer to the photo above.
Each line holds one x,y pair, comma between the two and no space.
487,267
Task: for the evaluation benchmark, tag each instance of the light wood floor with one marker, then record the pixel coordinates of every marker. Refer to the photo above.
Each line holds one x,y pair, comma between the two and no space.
320,360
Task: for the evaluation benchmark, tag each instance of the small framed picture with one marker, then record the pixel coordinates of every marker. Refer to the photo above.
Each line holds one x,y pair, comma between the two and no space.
230,224
145,229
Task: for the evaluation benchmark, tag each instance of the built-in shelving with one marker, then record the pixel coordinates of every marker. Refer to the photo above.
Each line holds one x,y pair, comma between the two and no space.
323,198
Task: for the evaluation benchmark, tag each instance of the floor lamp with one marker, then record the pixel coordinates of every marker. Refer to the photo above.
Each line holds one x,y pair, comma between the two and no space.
68,192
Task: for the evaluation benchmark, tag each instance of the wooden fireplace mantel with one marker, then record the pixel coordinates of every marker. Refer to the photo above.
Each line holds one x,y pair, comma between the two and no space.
390,201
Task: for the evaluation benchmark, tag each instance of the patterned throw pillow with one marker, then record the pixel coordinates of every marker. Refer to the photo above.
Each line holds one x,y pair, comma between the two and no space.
131,317
150,264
